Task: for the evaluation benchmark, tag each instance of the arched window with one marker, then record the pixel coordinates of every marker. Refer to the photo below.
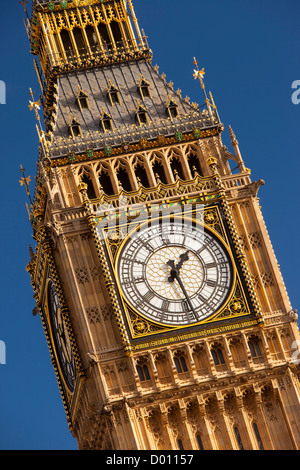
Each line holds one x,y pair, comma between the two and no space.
116,31
194,164
106,184
257,435
180,444
255,349
159,172
218,357
238,438
180,364
92,38
143,372
81,47
199,441
177,168
163,369
104,35
124,180
90,191
142,176
67,43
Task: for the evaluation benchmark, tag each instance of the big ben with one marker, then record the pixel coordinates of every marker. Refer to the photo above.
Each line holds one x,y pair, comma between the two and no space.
162,302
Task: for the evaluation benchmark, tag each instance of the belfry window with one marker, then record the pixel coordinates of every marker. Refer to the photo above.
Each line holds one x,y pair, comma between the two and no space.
92,38
159,172
67,43
255,349
106,184
177,168
81,47
104,35
124,180
199,441
116,31
194,164
90,187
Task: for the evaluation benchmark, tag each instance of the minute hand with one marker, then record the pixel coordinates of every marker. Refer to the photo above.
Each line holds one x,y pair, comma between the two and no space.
185,293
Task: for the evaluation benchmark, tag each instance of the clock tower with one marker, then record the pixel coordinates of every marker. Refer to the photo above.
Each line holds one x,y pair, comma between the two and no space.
163,306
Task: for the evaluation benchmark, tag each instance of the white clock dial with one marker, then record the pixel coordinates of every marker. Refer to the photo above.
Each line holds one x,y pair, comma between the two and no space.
175,273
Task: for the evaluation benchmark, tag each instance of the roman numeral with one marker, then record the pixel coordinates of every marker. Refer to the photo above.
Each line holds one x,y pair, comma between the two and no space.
211,265
149,296
211,283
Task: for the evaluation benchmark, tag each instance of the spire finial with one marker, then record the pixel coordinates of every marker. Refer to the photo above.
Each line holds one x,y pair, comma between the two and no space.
200,74
232,137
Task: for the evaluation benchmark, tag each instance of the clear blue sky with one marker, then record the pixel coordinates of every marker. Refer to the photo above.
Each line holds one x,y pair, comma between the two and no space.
250,51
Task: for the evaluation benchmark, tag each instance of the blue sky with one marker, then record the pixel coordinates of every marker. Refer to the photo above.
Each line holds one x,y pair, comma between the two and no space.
250,52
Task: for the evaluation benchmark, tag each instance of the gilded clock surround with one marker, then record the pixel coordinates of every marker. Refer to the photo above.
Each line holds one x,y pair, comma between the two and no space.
227,382
236,306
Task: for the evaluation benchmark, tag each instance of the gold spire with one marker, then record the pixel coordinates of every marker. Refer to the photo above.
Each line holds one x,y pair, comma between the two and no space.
200,74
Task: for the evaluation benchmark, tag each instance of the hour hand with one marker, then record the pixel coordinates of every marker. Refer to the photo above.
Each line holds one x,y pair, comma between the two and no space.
183,258
174,272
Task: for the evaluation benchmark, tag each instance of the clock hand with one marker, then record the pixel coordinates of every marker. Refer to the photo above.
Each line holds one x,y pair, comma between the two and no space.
179,280
183,258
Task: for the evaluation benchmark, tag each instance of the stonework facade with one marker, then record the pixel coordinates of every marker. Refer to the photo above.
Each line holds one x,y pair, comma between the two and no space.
120,143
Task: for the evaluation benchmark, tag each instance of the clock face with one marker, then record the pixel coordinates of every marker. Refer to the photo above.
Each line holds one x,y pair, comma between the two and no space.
61,338
175,273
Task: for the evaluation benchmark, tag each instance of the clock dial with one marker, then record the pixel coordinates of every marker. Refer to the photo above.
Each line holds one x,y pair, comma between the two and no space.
61,338
175,273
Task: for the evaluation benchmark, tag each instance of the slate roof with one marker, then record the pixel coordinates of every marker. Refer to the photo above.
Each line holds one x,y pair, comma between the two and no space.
126,78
